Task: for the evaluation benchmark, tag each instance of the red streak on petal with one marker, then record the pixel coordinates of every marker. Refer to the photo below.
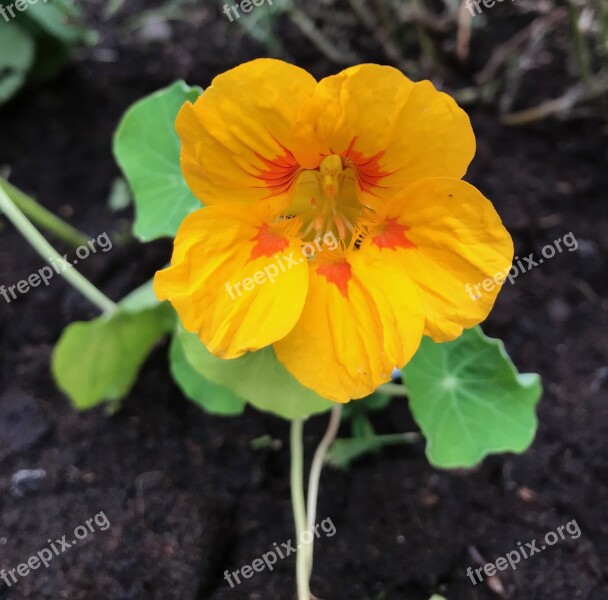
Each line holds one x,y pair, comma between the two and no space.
338,274
268,242
280,174
392,236
368,169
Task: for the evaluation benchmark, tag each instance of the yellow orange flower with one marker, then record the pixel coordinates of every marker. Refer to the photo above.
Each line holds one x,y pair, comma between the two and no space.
366,159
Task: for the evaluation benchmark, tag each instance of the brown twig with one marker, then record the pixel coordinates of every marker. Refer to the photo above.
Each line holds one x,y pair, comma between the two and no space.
560,107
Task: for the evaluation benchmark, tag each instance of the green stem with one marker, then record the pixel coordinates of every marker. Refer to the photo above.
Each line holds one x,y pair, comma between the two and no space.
299,507
315,476
37,241
43,217
394,389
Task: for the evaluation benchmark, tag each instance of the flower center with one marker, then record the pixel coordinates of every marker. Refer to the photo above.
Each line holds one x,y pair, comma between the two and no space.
325,199
331,169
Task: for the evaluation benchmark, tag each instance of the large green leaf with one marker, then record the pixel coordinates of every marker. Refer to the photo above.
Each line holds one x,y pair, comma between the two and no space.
146,147
99,360
258,377
469,400
213,398
16,57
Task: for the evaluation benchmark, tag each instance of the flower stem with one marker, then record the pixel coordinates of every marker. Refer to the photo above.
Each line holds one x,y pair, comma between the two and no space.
42,217
299,506
315,476
394,389
37,241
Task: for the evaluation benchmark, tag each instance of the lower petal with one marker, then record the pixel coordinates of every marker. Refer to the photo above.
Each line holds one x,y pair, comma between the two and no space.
362,318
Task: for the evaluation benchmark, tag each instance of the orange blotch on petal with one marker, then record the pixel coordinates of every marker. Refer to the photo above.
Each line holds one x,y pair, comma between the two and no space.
268,242
337,273
392,236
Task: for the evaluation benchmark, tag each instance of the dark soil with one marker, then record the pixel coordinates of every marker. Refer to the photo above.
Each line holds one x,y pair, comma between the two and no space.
186,496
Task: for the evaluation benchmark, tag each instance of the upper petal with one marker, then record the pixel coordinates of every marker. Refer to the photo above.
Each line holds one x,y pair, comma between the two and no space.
237,137
393,130
237,278
362,318
448,238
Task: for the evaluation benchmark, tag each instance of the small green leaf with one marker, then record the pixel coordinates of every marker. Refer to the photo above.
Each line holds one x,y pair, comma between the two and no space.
99,360
469,400
16,57
146,147
213,398
345,451
258,377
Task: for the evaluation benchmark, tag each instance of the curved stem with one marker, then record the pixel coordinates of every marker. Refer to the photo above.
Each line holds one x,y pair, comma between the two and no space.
43,217
39,243
299,507
315,477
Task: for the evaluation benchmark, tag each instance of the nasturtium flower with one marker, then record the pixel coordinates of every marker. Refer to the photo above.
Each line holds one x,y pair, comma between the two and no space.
367,159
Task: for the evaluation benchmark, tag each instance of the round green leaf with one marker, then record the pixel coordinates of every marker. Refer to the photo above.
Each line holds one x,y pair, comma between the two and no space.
99,360
258,377
213,398
469,400
146,147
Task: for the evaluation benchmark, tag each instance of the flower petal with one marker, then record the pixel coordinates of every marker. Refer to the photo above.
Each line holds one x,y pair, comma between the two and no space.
237,278
362,318
236,137
446,235
417,133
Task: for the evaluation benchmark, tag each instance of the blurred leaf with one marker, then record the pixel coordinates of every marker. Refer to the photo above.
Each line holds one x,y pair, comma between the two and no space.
61,20
52,30
469,400
258,377
16,58
146,147
99,360
361,426
213,398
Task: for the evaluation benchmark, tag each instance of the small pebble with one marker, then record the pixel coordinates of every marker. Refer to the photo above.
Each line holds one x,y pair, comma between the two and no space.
27,480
